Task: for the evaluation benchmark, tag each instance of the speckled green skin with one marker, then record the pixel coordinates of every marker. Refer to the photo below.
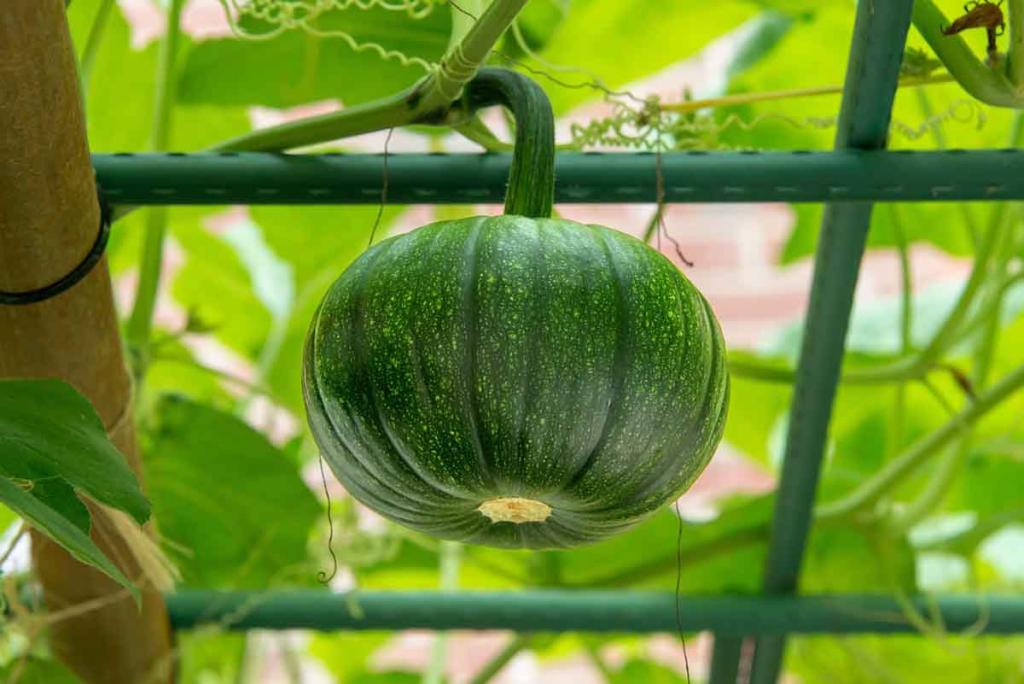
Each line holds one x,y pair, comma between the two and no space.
512,356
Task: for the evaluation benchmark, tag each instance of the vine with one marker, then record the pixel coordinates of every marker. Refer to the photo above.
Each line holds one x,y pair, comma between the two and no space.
288,15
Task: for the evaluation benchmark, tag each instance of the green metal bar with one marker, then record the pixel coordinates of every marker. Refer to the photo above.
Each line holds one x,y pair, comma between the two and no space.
262,178
584,611
725,659
879,37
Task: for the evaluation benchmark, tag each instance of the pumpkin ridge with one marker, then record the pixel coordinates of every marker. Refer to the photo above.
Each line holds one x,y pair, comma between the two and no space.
619,370
715,366
361,353
316,394
527,374
469,316
668,467
368,472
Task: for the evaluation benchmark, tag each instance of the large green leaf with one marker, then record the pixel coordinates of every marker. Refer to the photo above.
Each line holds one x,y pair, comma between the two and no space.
37,670
346,655
210,656
120,94
625,41
939,224
755,409
296,67
906,659
215,285
48,431
340,234
231,502
722,555
647,671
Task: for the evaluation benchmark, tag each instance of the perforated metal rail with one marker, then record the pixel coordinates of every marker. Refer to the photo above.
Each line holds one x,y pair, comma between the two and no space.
850,178
260,178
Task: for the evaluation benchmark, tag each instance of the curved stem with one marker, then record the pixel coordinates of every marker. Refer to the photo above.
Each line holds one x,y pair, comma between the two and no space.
531,179
450,560
93,41
985,84
141,321
899,468
428,101
788,94
1015,55
896,371
496,664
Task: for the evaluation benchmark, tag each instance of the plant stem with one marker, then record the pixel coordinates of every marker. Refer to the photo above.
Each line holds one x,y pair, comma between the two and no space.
906,282
496,664
983,83
531,180
896,371
1015,55
22,529
450,559
750,98
428,101
140,323
899,468
595,658
93,42
906,325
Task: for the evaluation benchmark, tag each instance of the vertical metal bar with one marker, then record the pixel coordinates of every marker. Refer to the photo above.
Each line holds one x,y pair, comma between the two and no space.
725,659
875,55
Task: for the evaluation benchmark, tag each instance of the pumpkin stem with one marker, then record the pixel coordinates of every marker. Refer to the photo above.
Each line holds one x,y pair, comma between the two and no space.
531,180
515,510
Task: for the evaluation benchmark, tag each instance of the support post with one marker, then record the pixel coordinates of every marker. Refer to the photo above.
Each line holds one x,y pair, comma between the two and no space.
48,221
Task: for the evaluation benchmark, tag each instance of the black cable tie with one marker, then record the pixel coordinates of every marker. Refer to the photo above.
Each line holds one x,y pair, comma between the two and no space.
73,276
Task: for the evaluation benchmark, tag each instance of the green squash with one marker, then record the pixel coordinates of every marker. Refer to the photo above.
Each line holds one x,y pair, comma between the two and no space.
516,380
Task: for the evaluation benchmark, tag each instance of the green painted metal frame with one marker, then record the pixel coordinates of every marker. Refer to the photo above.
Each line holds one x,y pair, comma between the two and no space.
261,178
585,611
876,52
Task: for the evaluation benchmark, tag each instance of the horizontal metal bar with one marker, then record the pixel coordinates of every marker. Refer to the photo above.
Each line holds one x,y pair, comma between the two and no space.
261,178
585,611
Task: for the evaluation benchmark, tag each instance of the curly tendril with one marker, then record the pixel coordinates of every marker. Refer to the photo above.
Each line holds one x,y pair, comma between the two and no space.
280,16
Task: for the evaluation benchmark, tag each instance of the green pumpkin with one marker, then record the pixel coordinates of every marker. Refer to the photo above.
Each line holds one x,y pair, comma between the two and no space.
515,381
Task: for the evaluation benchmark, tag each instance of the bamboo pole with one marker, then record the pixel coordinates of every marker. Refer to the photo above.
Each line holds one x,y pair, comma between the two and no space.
48,221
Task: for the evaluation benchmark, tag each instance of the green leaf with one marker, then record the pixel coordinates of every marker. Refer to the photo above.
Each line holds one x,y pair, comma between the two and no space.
38,670
908,659
844,559
346,655
48,430
58,528
295,67
646,671
935,223
209,656
234,502
215,284
755,409
120,95
723,554
624,41
342,234
756,39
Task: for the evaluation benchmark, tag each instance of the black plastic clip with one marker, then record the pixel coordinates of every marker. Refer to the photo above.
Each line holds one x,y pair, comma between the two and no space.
74,275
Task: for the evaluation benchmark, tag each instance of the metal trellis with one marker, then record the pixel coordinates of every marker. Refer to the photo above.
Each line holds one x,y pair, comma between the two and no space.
850,178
